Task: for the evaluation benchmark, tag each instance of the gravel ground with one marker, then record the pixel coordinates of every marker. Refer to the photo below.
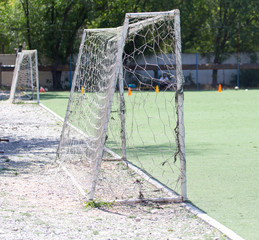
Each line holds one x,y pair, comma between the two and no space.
38,201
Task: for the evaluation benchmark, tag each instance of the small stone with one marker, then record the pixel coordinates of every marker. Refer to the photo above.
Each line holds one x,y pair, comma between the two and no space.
154,211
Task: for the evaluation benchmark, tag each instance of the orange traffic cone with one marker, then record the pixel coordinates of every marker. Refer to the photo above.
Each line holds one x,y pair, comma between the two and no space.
129,92
157,89
219,90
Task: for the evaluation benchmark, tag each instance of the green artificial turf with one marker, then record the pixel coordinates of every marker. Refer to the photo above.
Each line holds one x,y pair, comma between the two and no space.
222,142
56,101
222,147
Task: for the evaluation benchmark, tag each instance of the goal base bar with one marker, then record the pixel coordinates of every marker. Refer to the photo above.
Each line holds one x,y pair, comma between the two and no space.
153,181
177,199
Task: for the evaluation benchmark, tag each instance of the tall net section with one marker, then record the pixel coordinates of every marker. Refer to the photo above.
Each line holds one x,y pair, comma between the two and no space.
153,112
120,139
25,82
84,130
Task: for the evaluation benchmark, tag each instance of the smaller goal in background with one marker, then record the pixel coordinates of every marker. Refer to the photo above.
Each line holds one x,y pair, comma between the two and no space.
25,82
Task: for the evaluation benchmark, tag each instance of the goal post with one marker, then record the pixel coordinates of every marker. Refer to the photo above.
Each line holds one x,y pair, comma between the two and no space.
25,81
123,133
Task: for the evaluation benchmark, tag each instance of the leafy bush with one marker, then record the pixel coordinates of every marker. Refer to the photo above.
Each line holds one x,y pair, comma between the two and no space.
247,79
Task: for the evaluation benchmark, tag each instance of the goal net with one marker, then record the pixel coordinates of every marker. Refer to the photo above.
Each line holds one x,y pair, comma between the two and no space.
25,82
123,133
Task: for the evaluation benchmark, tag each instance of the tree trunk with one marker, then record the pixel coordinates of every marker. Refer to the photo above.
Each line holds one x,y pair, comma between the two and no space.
215,71
28,25
25,5
214,78
56,76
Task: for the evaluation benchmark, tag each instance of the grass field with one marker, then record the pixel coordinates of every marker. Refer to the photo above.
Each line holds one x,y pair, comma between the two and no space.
222,147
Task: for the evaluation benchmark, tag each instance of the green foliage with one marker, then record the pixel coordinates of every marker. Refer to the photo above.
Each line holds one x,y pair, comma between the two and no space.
220,27
247,78
59,27
212,26
51,26
6,37
99,204
54,24
112,13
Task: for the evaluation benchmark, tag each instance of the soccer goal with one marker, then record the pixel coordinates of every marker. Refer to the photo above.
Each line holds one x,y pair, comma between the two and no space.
25,82
123,133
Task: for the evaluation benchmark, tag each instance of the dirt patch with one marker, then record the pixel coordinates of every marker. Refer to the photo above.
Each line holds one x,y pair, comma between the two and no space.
38,201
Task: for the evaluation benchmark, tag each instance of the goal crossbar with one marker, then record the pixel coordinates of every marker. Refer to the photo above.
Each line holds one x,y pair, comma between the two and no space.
152,14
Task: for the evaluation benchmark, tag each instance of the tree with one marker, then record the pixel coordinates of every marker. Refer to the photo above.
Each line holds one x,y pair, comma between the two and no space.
5,36
52,27
112,13
212,27
63,21
25,6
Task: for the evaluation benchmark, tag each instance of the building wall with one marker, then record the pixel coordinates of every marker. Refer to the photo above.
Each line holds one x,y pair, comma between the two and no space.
7,59
204,76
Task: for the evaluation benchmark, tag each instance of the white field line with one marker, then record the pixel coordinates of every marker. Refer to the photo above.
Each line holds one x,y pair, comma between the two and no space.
153,181
211,221
50,111
203,216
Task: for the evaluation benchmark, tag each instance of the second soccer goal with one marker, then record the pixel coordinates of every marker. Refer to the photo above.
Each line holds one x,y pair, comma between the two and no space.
25,82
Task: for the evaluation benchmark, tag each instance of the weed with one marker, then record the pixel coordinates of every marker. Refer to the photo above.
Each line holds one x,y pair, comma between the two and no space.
26,214
99,204
20,102
6,169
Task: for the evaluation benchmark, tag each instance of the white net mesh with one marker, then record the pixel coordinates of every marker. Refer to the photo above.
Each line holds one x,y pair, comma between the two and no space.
137,126
25,83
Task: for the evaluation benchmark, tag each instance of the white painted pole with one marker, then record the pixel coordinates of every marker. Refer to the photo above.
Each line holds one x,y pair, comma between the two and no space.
15,76
31,77
122,114
180,101
37,76
150,14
